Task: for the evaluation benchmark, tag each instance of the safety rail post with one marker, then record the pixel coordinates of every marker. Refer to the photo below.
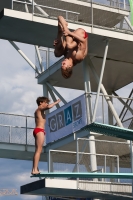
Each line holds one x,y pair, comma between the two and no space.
118,167
92,15
9,134
131,157
103,109
12,4
66,15
47,58
77,162
49,162
32,7
105,165
26,135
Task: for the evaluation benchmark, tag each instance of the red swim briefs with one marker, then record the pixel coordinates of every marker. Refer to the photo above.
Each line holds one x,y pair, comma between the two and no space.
37,130
86,35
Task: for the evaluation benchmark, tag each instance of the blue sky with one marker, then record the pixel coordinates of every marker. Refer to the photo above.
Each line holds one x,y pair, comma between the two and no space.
19,90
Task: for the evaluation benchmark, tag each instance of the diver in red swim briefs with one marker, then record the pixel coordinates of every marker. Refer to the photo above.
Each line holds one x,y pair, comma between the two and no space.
39,132
75,45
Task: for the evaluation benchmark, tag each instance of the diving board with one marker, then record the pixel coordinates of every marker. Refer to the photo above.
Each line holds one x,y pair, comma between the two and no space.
109,130
85,175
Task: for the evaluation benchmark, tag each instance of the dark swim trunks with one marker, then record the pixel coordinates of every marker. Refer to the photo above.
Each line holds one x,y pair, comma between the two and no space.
37,130
86,35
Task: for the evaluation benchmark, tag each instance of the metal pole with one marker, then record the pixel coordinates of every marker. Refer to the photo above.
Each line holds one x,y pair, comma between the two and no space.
26,7
32,7
92,15
25,57
103,108
53,97
118,167
93,160
100,80
39,58
105,93
49,162
77,163
47,58
77,155
105,166
9,134
131,157
40,9
66,15
26,134
45,93
56,92
87,86
128,22
125,104
12,4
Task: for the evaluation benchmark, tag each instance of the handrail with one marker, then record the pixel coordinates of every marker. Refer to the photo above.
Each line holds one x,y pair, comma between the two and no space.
38,5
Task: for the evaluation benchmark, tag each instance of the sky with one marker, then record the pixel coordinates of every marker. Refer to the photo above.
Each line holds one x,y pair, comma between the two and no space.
19,90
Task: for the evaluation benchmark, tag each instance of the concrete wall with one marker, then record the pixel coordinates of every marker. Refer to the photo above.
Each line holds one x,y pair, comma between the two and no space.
5,4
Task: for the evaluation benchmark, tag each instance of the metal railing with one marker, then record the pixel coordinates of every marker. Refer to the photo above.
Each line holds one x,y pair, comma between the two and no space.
16,129
111,156
66,160
37,9
112,3
122,105
76,14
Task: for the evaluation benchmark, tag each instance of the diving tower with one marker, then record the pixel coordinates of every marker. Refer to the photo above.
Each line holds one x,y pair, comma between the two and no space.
104,142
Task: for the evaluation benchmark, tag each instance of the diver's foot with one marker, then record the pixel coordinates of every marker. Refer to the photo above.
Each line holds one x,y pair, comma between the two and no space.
35,172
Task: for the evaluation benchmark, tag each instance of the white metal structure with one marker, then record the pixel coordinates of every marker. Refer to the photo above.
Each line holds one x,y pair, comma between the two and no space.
107,68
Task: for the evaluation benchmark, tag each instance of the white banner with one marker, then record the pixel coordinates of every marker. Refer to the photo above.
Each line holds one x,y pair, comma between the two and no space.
66,120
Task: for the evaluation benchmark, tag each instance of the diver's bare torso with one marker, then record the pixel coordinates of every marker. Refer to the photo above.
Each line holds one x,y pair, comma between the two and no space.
79,52
40,118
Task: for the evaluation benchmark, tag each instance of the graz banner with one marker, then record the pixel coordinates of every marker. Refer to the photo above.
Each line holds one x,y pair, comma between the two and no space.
66,120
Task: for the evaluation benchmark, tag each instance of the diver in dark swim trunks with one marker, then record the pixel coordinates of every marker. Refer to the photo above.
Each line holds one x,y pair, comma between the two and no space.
76,47
39,132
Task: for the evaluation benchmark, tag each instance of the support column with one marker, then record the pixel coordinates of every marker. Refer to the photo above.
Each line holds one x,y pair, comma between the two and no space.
50,161
87,86
93,160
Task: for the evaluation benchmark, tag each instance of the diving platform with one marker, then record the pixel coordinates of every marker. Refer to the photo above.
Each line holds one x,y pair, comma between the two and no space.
42,31
85,175
68,189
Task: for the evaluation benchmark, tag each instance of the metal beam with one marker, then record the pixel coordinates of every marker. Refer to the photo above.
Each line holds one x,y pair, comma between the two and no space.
87,86
128,22
100,81
53,97
105,93
123,102
25,57
56,92
40,9
39,58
